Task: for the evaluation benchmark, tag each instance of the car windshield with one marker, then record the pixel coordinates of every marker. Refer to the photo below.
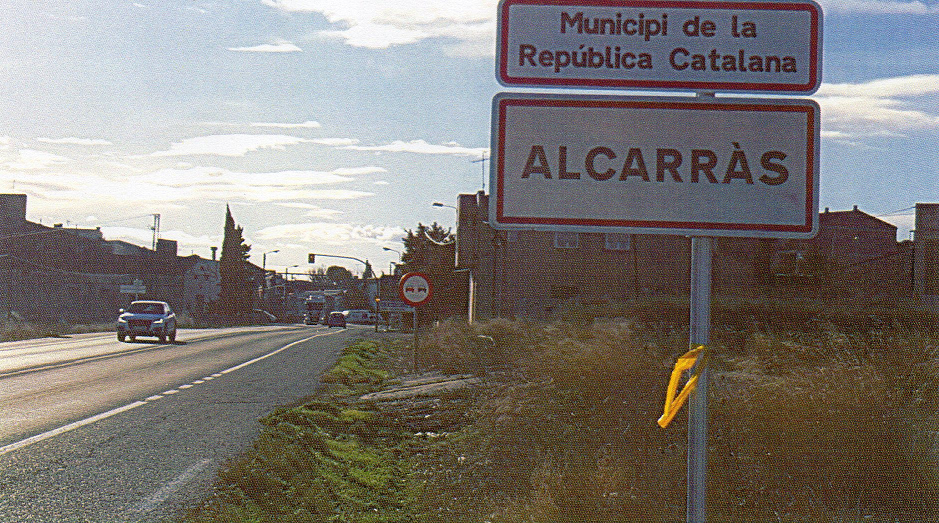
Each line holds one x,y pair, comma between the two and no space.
146,308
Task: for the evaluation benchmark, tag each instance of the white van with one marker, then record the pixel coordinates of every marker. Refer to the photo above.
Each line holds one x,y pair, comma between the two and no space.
360,316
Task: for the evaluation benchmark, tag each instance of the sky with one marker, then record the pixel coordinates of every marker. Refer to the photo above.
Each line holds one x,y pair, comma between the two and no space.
331,126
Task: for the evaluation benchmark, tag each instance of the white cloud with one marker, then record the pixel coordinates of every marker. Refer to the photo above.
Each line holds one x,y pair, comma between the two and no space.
309,124
229,144
913,85
216,177
313,211
144,237
421,147
879,108
379,24
72,140
334,142
31,159
331,233
4,143
166,187
277,47
359,171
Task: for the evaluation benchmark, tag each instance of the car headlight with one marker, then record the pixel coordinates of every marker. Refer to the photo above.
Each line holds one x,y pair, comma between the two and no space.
122,320
158,321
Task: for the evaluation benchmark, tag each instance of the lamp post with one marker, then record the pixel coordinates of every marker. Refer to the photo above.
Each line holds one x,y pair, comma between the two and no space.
264,271
313,255
471,283
392,263
287,272
264,259
287,278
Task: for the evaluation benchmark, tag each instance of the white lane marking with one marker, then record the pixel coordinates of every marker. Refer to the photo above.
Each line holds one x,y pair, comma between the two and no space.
71,426
269,354
97,417
170,488
186,386
154,398
198,382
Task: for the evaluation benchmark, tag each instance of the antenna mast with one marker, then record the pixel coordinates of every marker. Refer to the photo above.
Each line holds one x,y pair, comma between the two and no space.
482,162
155,229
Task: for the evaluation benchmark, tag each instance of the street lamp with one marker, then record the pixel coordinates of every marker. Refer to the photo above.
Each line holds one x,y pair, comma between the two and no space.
439,204
264,271
365,262
287,278
264,259
287,272
400,255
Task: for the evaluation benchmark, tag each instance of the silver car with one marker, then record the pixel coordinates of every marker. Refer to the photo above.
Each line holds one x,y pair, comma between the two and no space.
147,318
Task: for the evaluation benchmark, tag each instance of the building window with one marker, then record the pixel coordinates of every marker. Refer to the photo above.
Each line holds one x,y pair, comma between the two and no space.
566,240
616,241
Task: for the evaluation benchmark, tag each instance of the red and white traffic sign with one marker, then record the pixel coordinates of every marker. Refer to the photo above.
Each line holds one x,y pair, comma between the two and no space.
415,288
750,46
645,165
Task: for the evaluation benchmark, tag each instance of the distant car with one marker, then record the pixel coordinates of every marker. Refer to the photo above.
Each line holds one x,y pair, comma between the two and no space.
336,319
147,318
360,316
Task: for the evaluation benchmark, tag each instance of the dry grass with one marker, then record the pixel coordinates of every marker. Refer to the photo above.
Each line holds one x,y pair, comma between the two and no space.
813,416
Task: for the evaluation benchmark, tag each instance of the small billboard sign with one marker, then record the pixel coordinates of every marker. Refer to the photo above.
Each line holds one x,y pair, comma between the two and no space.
705,167
137,287
748,46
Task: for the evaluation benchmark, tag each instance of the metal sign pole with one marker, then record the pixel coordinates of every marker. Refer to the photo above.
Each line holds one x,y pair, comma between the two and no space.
414,350
701,249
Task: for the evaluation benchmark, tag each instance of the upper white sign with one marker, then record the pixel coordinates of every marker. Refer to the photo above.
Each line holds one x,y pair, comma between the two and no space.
718,167
661,44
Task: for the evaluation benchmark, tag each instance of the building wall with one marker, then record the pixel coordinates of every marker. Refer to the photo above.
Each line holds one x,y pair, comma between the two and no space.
70,275
926,268
529,273
202,285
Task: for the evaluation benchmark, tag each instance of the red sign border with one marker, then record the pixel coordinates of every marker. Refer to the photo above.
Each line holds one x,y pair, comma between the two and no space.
430,288
653,226
807,88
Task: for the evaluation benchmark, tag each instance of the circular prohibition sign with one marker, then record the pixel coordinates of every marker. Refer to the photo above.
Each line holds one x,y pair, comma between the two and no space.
415,288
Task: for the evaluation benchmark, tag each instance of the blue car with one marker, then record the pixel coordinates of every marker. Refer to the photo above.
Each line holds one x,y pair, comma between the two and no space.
147,318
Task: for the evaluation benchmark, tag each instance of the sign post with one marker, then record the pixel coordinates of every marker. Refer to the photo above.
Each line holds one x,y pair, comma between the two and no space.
700,323
701,167
415,289
137,288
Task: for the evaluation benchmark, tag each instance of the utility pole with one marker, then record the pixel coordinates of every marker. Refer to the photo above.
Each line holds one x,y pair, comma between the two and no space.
155,229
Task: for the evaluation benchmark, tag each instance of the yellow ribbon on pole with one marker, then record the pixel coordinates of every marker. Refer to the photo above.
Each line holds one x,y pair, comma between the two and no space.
687,361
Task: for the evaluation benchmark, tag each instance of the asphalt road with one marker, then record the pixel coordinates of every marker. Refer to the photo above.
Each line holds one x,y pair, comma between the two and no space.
93,430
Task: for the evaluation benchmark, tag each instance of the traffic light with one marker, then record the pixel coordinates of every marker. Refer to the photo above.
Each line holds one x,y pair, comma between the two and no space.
311,258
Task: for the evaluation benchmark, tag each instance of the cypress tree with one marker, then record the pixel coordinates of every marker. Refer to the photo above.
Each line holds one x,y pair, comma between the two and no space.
235,295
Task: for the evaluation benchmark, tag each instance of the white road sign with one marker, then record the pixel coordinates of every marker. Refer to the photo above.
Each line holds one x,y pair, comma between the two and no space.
414,288
692,166
135,288
660,44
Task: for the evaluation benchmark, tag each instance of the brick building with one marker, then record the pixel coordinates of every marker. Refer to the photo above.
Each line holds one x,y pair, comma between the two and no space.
74,275
530,273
